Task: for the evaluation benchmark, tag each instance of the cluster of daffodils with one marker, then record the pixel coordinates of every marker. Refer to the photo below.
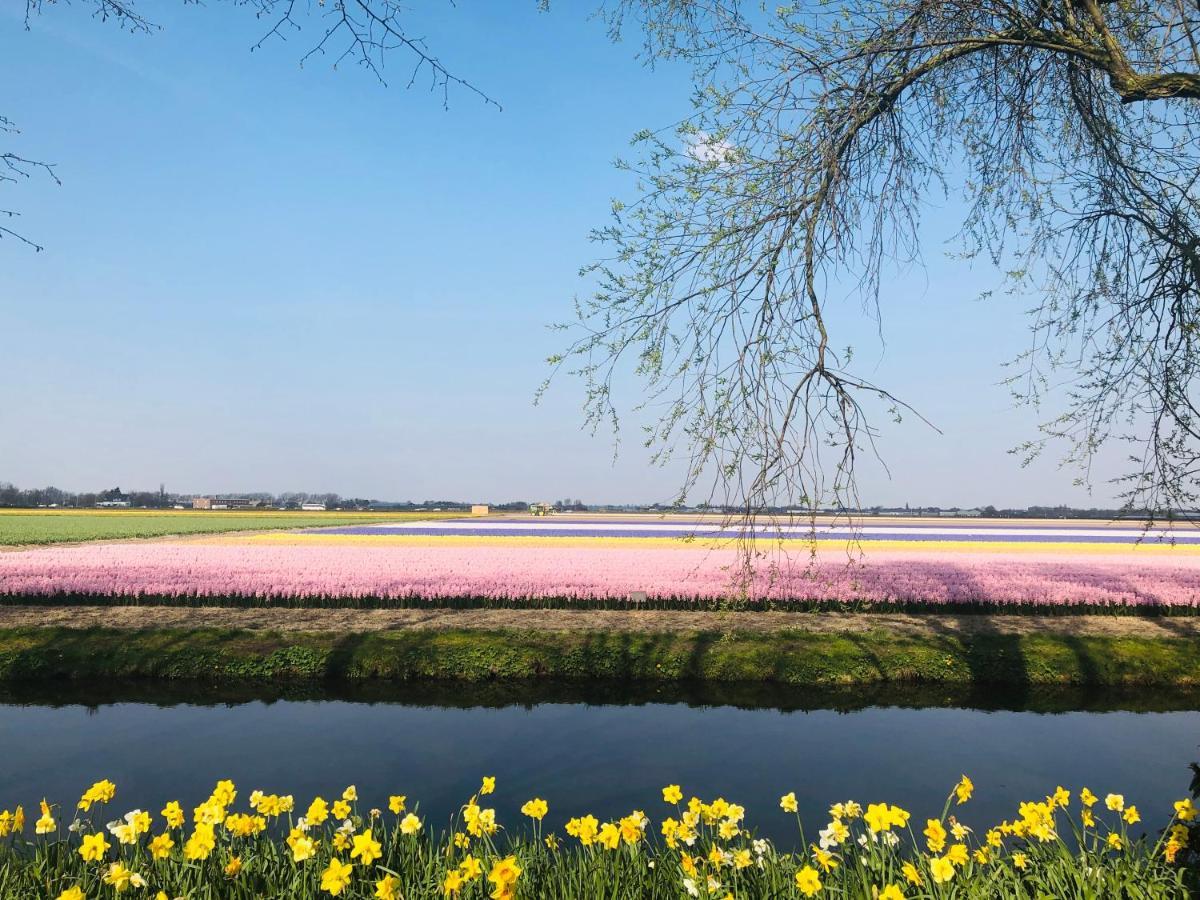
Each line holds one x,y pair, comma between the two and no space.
1062,845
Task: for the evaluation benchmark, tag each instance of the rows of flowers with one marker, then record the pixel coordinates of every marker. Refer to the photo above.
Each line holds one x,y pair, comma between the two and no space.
1059,846
541,572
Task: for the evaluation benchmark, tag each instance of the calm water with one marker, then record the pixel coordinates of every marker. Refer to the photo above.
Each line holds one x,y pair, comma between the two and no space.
604,749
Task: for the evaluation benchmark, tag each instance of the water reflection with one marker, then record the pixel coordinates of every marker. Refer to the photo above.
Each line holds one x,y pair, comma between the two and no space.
598,747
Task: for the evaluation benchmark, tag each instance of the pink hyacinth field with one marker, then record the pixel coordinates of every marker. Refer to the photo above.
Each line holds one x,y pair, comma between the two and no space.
577,562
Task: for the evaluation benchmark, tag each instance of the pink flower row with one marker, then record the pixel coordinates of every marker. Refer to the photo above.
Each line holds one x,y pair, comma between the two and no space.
510,573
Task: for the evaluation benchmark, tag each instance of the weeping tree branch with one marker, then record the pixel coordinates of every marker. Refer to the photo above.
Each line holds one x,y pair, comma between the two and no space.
1071,129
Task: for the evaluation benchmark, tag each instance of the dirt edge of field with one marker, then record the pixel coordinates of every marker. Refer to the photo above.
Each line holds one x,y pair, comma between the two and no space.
563,620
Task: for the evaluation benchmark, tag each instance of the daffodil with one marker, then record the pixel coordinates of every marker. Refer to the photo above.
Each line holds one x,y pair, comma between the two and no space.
93,847
808,882
471,868
963,790
935,835
672,793
535,808
173,814
160,846
942,869
336,876
453,883
410,824
366,848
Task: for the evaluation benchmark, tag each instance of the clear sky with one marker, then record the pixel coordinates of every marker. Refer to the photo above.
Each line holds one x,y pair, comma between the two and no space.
258,276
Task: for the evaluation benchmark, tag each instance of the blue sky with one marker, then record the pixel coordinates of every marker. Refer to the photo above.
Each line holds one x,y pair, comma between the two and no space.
258,276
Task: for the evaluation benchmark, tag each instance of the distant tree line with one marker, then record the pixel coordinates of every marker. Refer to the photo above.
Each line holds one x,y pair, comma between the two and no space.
13,496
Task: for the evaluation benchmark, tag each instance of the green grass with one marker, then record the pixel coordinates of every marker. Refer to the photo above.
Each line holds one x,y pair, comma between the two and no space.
792,657
27,526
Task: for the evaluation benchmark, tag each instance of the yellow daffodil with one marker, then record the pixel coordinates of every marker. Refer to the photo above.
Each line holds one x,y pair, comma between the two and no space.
410,824
366,848
318,812
535,808
396,803
302,846
1115,802
160,846
963,790
100,792
891,892
942,869
826,860
388,888
471,868
672,793
201,844
336,876
489,785
93,847
173,814
935,835
808,882
788,802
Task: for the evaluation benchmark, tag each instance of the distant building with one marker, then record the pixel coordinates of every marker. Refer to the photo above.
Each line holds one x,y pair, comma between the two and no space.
224,503
479,509
313,507
541,509
113,504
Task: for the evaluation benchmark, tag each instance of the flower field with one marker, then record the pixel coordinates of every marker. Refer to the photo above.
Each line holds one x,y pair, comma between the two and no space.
273,846
507,562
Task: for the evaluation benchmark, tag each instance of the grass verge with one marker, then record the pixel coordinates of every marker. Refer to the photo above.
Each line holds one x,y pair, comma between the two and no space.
26,527
785,657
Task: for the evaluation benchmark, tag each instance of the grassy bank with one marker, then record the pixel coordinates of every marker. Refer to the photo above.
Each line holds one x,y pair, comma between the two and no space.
788,656
23,527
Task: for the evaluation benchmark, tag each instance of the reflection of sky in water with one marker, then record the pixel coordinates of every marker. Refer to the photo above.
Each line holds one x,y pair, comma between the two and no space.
602,759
